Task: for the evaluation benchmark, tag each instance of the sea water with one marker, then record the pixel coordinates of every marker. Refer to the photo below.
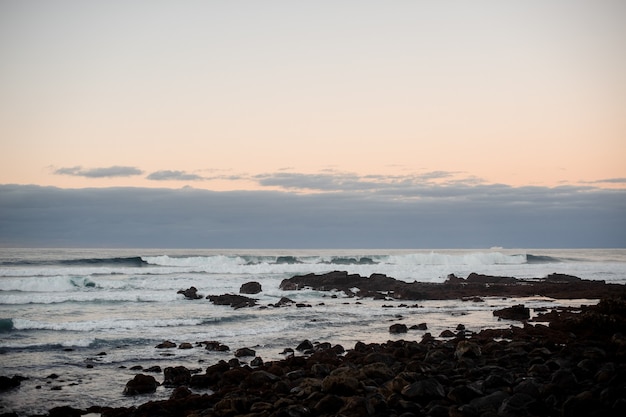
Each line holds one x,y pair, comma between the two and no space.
89,315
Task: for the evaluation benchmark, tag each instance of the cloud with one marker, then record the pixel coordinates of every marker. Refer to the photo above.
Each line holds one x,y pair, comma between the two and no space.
451,216
106,172
333,181
610,181
166,175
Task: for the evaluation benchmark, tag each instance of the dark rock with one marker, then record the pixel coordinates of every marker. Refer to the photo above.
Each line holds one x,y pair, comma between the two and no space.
516,312
398,328
141,384
190,293
155,369
426,389
245,352
447,333
234,300
215,346
8,383
252,287
258,361
304,345
340,385
176,376
166,345
185,345
284,301
180,392
65,411
328,404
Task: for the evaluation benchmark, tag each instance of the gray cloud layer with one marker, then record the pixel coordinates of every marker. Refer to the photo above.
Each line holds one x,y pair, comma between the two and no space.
398,216
167,175
107,172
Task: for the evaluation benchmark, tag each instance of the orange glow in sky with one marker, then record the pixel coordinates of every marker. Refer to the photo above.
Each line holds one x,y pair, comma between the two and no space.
217,93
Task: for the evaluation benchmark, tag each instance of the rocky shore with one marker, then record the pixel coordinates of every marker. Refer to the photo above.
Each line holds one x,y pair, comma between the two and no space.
565,362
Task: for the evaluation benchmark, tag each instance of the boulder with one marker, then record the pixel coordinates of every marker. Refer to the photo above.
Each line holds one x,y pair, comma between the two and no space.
190,293
398,328
245,352
166,345
176,376
234,300
141,384
252,287
516,312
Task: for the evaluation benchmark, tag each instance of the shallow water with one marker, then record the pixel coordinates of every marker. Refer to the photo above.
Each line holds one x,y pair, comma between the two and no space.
90,321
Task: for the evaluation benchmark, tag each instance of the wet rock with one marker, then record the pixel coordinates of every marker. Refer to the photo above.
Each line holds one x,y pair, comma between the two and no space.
176,376
340,385
215,346
7,383
252,287
304,345
245,352
467,349
234,300
398,328
426,389
516,312
166,345
141,384
185,345
190,293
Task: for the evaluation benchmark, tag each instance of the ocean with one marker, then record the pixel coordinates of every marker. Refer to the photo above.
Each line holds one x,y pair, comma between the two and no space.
75,321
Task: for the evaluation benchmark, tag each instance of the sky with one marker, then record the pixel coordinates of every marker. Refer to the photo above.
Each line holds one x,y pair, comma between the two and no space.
407,124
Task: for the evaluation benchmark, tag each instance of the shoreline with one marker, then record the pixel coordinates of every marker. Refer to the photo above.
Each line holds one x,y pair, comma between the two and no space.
565,361
569,362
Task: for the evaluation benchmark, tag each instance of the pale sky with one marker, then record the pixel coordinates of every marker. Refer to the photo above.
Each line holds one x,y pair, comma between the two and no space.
410,99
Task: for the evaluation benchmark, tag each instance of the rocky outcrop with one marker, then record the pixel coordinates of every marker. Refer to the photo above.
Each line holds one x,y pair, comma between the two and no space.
141,384
234,300
475,286
516,312
252,287
190,293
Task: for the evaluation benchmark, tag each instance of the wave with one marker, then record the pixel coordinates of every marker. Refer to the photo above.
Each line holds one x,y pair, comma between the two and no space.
541,259
239,262
133,261
110,324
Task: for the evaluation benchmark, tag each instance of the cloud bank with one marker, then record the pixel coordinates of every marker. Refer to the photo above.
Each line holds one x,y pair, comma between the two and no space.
107,172
396,215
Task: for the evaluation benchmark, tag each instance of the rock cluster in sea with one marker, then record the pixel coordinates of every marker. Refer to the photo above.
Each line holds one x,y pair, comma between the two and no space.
569,362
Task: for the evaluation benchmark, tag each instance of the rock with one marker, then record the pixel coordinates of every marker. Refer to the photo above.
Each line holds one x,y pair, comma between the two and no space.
7,383
252,287
398,328
155,369
180,392
176,376
245,352
516,312
234,300
65,411
340,385
258,361
304,345
467,349
215,346
185,345
447,333
190,293
284,301
426,389
141,384
166,345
